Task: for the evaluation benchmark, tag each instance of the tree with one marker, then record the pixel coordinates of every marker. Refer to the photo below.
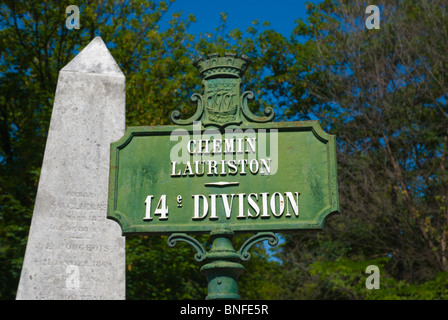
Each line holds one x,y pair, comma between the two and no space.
382,92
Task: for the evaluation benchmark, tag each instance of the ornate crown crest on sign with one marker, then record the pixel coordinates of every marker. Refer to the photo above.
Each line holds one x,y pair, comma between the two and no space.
222,102
230,65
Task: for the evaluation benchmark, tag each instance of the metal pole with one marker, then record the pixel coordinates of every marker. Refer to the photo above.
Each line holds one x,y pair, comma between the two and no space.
222,270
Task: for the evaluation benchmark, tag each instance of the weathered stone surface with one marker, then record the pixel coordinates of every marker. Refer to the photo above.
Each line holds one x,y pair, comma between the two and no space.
73,251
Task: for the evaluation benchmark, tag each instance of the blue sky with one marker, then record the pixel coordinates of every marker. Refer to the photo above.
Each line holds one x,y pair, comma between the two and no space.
281,13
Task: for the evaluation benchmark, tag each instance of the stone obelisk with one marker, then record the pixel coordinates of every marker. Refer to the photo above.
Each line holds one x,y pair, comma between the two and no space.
73,251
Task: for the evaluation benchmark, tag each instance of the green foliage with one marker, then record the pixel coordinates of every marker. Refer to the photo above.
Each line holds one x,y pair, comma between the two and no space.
346,279
14,222
156,271
381,92
261,279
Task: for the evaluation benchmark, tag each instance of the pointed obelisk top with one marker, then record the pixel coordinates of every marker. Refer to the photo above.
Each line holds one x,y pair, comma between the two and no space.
94,58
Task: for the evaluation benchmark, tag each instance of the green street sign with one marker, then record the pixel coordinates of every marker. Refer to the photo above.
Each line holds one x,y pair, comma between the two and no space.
224,166
229,177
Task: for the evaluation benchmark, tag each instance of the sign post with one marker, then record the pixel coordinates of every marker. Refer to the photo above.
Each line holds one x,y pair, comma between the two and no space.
221,171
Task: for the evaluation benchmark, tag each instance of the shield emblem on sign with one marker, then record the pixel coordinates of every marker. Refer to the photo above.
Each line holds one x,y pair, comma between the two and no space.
222,100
